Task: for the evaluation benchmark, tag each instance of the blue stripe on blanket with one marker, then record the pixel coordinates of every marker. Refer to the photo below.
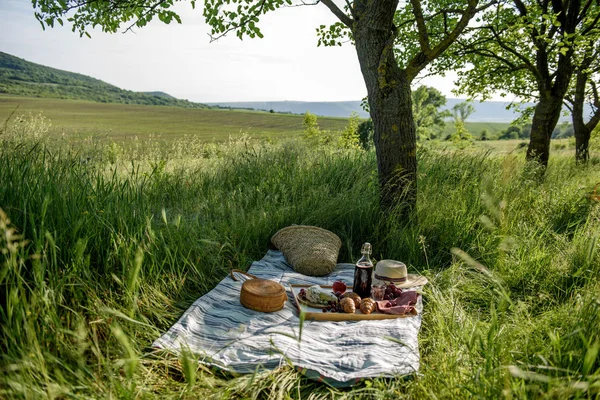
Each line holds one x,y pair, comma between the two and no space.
239,340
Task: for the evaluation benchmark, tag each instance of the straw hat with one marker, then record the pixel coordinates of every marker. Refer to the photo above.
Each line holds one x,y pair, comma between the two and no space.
392,271
309,249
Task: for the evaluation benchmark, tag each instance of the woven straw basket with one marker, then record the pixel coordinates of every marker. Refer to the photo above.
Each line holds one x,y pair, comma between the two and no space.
261,295
310,250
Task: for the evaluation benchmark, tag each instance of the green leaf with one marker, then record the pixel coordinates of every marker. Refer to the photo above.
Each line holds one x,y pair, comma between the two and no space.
590,358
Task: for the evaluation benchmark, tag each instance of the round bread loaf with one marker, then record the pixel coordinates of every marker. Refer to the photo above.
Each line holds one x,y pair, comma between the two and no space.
263,295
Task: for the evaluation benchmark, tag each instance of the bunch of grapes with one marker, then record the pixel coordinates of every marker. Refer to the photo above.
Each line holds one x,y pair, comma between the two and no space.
333,306
391,292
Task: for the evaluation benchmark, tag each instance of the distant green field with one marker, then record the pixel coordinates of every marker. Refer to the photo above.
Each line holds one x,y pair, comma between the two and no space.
122,121
475,128
119,122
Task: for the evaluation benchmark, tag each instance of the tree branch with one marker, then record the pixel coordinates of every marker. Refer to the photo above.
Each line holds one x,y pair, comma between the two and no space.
568,101
422,29
491,54
244,22
596,102
596,117
516,53
346,20
592,25
458,29
351,9
583,12
426,55
149,10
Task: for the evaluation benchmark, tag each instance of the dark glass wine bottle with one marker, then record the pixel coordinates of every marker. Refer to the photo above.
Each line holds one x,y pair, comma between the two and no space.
363,273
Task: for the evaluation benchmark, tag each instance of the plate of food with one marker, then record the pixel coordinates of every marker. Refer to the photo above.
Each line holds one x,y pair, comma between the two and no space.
336,303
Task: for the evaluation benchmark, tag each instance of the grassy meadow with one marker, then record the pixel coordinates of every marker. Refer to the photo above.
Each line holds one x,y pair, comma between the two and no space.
78,119
102,248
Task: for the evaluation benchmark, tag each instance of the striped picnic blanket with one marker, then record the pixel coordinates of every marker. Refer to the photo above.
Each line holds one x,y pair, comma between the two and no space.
239,340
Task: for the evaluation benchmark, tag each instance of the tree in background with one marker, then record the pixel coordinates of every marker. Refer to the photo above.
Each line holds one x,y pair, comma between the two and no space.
349,137
525,131
394,43
312,133
461,112
563,130
584,90
527,48
512,132
429,119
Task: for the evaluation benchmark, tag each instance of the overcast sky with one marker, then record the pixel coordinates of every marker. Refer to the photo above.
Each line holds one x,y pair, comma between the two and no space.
179,60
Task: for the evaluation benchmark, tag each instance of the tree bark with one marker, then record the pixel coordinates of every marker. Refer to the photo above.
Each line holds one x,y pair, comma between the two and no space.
389,94
545,118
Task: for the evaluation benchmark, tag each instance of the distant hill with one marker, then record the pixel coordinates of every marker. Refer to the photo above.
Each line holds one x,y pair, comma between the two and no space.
24,78
489,111
159,94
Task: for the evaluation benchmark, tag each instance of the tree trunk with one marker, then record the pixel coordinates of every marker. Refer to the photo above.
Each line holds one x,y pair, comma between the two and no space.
582,130
545,118
582,141
390,104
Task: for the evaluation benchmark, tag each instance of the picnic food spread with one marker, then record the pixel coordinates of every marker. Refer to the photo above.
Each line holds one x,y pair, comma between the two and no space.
376,292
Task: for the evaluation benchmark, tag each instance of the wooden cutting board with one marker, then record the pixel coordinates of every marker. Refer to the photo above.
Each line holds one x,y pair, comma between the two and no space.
317,314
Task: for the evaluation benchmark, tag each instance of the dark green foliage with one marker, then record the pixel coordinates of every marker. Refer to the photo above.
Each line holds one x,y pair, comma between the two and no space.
365,134
525,131
23,78
512,132
429,119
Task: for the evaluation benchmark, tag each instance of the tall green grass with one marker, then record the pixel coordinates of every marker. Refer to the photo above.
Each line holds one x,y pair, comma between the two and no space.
103,248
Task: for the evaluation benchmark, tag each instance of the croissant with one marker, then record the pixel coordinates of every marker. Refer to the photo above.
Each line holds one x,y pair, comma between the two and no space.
367,306
354,297
348,305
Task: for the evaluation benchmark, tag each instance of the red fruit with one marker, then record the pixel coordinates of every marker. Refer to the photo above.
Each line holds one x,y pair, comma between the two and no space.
339,286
